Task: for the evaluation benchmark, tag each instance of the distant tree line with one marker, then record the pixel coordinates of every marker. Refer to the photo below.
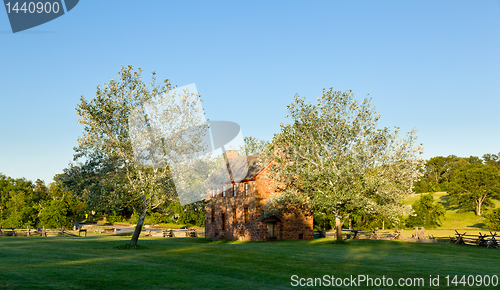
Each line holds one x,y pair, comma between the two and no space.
24,203
472,182
27,204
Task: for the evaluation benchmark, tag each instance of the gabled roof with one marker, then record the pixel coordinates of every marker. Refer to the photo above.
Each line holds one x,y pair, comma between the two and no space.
243,168
253,166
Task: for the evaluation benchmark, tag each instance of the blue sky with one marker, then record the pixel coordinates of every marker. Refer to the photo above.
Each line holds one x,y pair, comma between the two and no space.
429,65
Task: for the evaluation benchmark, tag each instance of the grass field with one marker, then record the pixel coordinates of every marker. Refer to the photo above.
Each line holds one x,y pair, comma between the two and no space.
195,263
454,218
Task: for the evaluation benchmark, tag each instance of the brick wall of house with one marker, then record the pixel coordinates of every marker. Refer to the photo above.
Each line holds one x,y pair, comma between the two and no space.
233,209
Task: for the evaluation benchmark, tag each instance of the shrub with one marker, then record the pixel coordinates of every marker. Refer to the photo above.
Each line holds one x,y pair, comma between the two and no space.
493,219
53,214
427,213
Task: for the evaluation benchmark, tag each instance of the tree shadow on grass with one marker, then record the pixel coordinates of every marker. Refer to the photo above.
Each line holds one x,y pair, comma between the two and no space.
446,201
478,225
129,247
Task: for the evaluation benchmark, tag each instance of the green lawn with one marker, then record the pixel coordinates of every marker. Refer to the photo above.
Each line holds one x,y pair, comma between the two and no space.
192,263
454,218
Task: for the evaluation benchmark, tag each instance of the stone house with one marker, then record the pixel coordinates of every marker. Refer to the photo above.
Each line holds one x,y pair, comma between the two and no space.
235,211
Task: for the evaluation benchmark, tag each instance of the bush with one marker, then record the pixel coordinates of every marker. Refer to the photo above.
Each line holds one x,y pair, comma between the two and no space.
493,219
157,218
115,217
427,213
53,214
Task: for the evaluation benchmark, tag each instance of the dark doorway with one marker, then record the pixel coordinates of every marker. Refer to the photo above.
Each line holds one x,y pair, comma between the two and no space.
272,231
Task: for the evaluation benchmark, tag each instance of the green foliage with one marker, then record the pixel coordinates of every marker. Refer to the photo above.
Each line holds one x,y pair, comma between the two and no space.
193,214
54,214
492,159
493,219
24,204
18,208
156,217
253,146
439,171
427,213
474,186
113,175
332,158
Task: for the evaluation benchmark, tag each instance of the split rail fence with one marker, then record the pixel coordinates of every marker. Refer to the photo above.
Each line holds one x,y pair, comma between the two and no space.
487,241
43,232
374,234
81,231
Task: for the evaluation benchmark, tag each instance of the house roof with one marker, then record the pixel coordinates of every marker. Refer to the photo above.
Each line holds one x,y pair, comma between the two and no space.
250,164
243,168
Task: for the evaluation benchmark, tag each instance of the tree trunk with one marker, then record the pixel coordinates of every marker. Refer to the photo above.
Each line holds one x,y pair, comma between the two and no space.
338,225
138,228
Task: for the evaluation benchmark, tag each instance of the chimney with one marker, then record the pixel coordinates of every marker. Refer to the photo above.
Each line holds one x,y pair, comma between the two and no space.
230,154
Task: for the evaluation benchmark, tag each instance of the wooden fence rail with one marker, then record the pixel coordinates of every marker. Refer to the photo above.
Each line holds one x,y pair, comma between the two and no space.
361,234
82,231
487,241
43,232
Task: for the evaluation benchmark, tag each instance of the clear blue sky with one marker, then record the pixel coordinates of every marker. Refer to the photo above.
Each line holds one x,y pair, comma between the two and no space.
430,65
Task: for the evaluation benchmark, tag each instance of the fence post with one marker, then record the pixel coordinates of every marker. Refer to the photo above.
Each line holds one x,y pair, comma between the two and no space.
423,233
28,232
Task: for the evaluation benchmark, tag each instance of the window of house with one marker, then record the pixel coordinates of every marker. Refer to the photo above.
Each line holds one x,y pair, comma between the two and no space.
213,214
234,190
223,217
224,191
234,215
246,214
213,193
246,188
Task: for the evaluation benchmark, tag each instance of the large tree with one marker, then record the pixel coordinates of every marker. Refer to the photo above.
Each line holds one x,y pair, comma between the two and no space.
475,185
132,132
252,145
492,159
332,158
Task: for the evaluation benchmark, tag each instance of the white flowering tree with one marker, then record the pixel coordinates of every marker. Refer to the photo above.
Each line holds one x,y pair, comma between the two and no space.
143,130
332,158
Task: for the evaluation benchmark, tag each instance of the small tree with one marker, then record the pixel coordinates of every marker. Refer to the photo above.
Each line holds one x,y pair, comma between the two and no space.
332,158
54,214
17,203
493,219
427,213
474,185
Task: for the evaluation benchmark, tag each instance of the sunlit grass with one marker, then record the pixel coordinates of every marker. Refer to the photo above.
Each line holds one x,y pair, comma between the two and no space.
455,218
195,263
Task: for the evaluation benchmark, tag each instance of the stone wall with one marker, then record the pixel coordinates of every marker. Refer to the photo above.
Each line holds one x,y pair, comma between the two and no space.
241,214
